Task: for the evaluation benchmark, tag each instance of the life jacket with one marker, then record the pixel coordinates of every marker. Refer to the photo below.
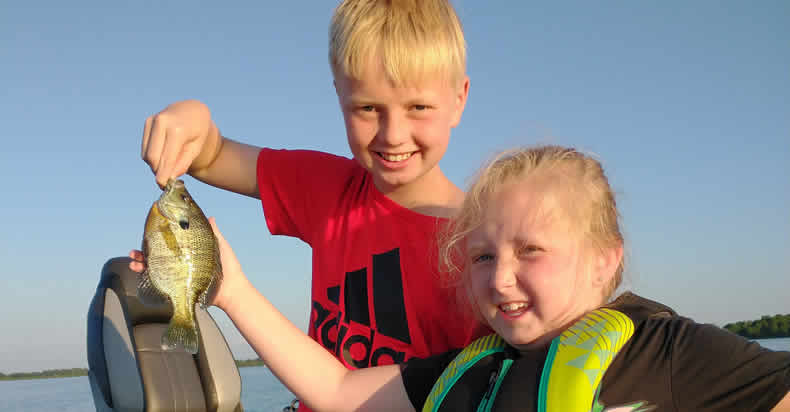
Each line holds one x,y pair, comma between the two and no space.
574,367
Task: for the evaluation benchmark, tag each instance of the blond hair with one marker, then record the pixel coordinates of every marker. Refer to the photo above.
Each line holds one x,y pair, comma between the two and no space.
578,176
412,38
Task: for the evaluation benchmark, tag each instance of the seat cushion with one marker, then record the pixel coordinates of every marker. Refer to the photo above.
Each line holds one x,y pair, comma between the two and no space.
170,378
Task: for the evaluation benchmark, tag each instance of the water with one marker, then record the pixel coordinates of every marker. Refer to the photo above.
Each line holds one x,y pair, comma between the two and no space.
776,344
261,391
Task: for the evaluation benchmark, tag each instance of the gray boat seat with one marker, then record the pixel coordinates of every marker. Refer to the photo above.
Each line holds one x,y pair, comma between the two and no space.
128,369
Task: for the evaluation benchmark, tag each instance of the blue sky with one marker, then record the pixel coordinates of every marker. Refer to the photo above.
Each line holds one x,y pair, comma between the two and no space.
686,103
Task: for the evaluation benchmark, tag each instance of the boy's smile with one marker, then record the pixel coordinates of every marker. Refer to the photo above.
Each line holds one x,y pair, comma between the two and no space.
394,160
399,133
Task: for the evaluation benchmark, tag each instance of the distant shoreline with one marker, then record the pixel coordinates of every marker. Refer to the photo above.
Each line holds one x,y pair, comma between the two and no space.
46,374
77,372
767,327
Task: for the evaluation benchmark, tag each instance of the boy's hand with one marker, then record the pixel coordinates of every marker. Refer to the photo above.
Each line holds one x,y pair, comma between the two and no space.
181,138
232,275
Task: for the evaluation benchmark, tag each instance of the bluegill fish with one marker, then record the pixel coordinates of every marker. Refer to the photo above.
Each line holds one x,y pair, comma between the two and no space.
182,262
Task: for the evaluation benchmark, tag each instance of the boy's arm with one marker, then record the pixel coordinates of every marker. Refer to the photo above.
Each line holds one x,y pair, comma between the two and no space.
183,138
234,168
318,379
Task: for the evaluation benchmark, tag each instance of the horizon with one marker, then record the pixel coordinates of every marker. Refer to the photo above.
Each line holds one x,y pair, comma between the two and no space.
4,374
686,105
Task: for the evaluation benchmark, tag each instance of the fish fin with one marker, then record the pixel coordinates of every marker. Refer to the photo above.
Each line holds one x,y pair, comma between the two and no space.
148,293
180,332
203,299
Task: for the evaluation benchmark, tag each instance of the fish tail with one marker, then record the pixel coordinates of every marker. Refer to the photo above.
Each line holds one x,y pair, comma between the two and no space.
181,331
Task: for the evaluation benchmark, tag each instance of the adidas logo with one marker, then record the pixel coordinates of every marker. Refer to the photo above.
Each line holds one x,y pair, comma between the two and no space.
366,330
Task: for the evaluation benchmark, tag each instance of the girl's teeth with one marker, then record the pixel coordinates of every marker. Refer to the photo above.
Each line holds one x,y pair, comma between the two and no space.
395,158
510,307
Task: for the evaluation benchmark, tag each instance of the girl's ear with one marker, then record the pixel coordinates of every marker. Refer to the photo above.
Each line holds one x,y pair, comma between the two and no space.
606,264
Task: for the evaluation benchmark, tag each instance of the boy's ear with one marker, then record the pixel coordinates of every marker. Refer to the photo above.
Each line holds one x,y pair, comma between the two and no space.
606,264
462,93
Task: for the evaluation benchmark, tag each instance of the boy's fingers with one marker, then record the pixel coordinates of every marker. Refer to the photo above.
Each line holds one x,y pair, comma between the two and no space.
188,154
172,149
154,152
164,171
154,143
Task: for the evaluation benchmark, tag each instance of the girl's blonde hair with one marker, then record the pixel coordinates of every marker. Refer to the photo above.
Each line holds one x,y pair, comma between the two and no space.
590,202
413,39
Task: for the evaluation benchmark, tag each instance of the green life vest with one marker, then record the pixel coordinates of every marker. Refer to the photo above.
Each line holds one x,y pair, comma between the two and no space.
572,372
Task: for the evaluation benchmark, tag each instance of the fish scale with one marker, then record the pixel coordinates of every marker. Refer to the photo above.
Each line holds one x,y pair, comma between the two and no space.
182,262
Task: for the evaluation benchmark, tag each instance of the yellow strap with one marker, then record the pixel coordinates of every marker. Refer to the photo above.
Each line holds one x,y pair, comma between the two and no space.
477,350
572,372
583,354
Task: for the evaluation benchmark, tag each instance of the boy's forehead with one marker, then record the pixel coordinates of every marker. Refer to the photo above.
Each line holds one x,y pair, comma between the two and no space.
375,86
421,81
375,68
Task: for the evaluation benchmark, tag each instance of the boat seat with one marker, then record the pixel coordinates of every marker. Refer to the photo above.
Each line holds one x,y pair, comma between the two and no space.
128,369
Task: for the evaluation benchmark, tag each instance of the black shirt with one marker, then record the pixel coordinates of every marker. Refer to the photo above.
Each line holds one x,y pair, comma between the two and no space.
671,363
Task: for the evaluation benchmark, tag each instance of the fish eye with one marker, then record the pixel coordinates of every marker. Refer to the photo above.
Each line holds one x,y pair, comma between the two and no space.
185,198
184,224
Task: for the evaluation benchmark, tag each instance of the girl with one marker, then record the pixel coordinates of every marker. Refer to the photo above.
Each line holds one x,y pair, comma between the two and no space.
537,252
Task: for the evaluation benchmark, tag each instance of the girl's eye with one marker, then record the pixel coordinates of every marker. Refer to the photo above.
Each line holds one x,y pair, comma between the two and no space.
420,107
482,258
530,250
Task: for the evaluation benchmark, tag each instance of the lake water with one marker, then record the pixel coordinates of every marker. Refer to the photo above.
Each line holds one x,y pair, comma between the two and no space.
261,391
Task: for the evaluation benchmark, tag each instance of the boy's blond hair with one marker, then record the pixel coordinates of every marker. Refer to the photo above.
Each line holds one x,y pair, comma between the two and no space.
412,38
577,178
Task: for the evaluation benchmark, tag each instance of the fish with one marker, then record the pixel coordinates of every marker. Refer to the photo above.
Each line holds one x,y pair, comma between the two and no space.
182,263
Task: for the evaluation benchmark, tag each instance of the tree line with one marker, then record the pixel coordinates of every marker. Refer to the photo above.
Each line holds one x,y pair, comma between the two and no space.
766,327
777,326
70,373
49,373
249,362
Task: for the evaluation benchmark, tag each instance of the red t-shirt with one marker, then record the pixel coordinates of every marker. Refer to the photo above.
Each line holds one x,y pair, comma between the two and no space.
376,294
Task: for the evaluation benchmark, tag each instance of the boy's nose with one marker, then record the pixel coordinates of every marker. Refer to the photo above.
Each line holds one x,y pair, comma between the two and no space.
392,130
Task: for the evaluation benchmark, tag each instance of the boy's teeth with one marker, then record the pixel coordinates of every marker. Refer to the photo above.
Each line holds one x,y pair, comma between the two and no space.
510,307
395,157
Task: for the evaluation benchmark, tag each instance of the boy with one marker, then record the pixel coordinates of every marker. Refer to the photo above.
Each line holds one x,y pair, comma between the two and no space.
399,74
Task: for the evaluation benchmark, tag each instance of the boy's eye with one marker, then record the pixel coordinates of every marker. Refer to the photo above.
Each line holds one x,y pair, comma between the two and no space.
368,108
420,107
